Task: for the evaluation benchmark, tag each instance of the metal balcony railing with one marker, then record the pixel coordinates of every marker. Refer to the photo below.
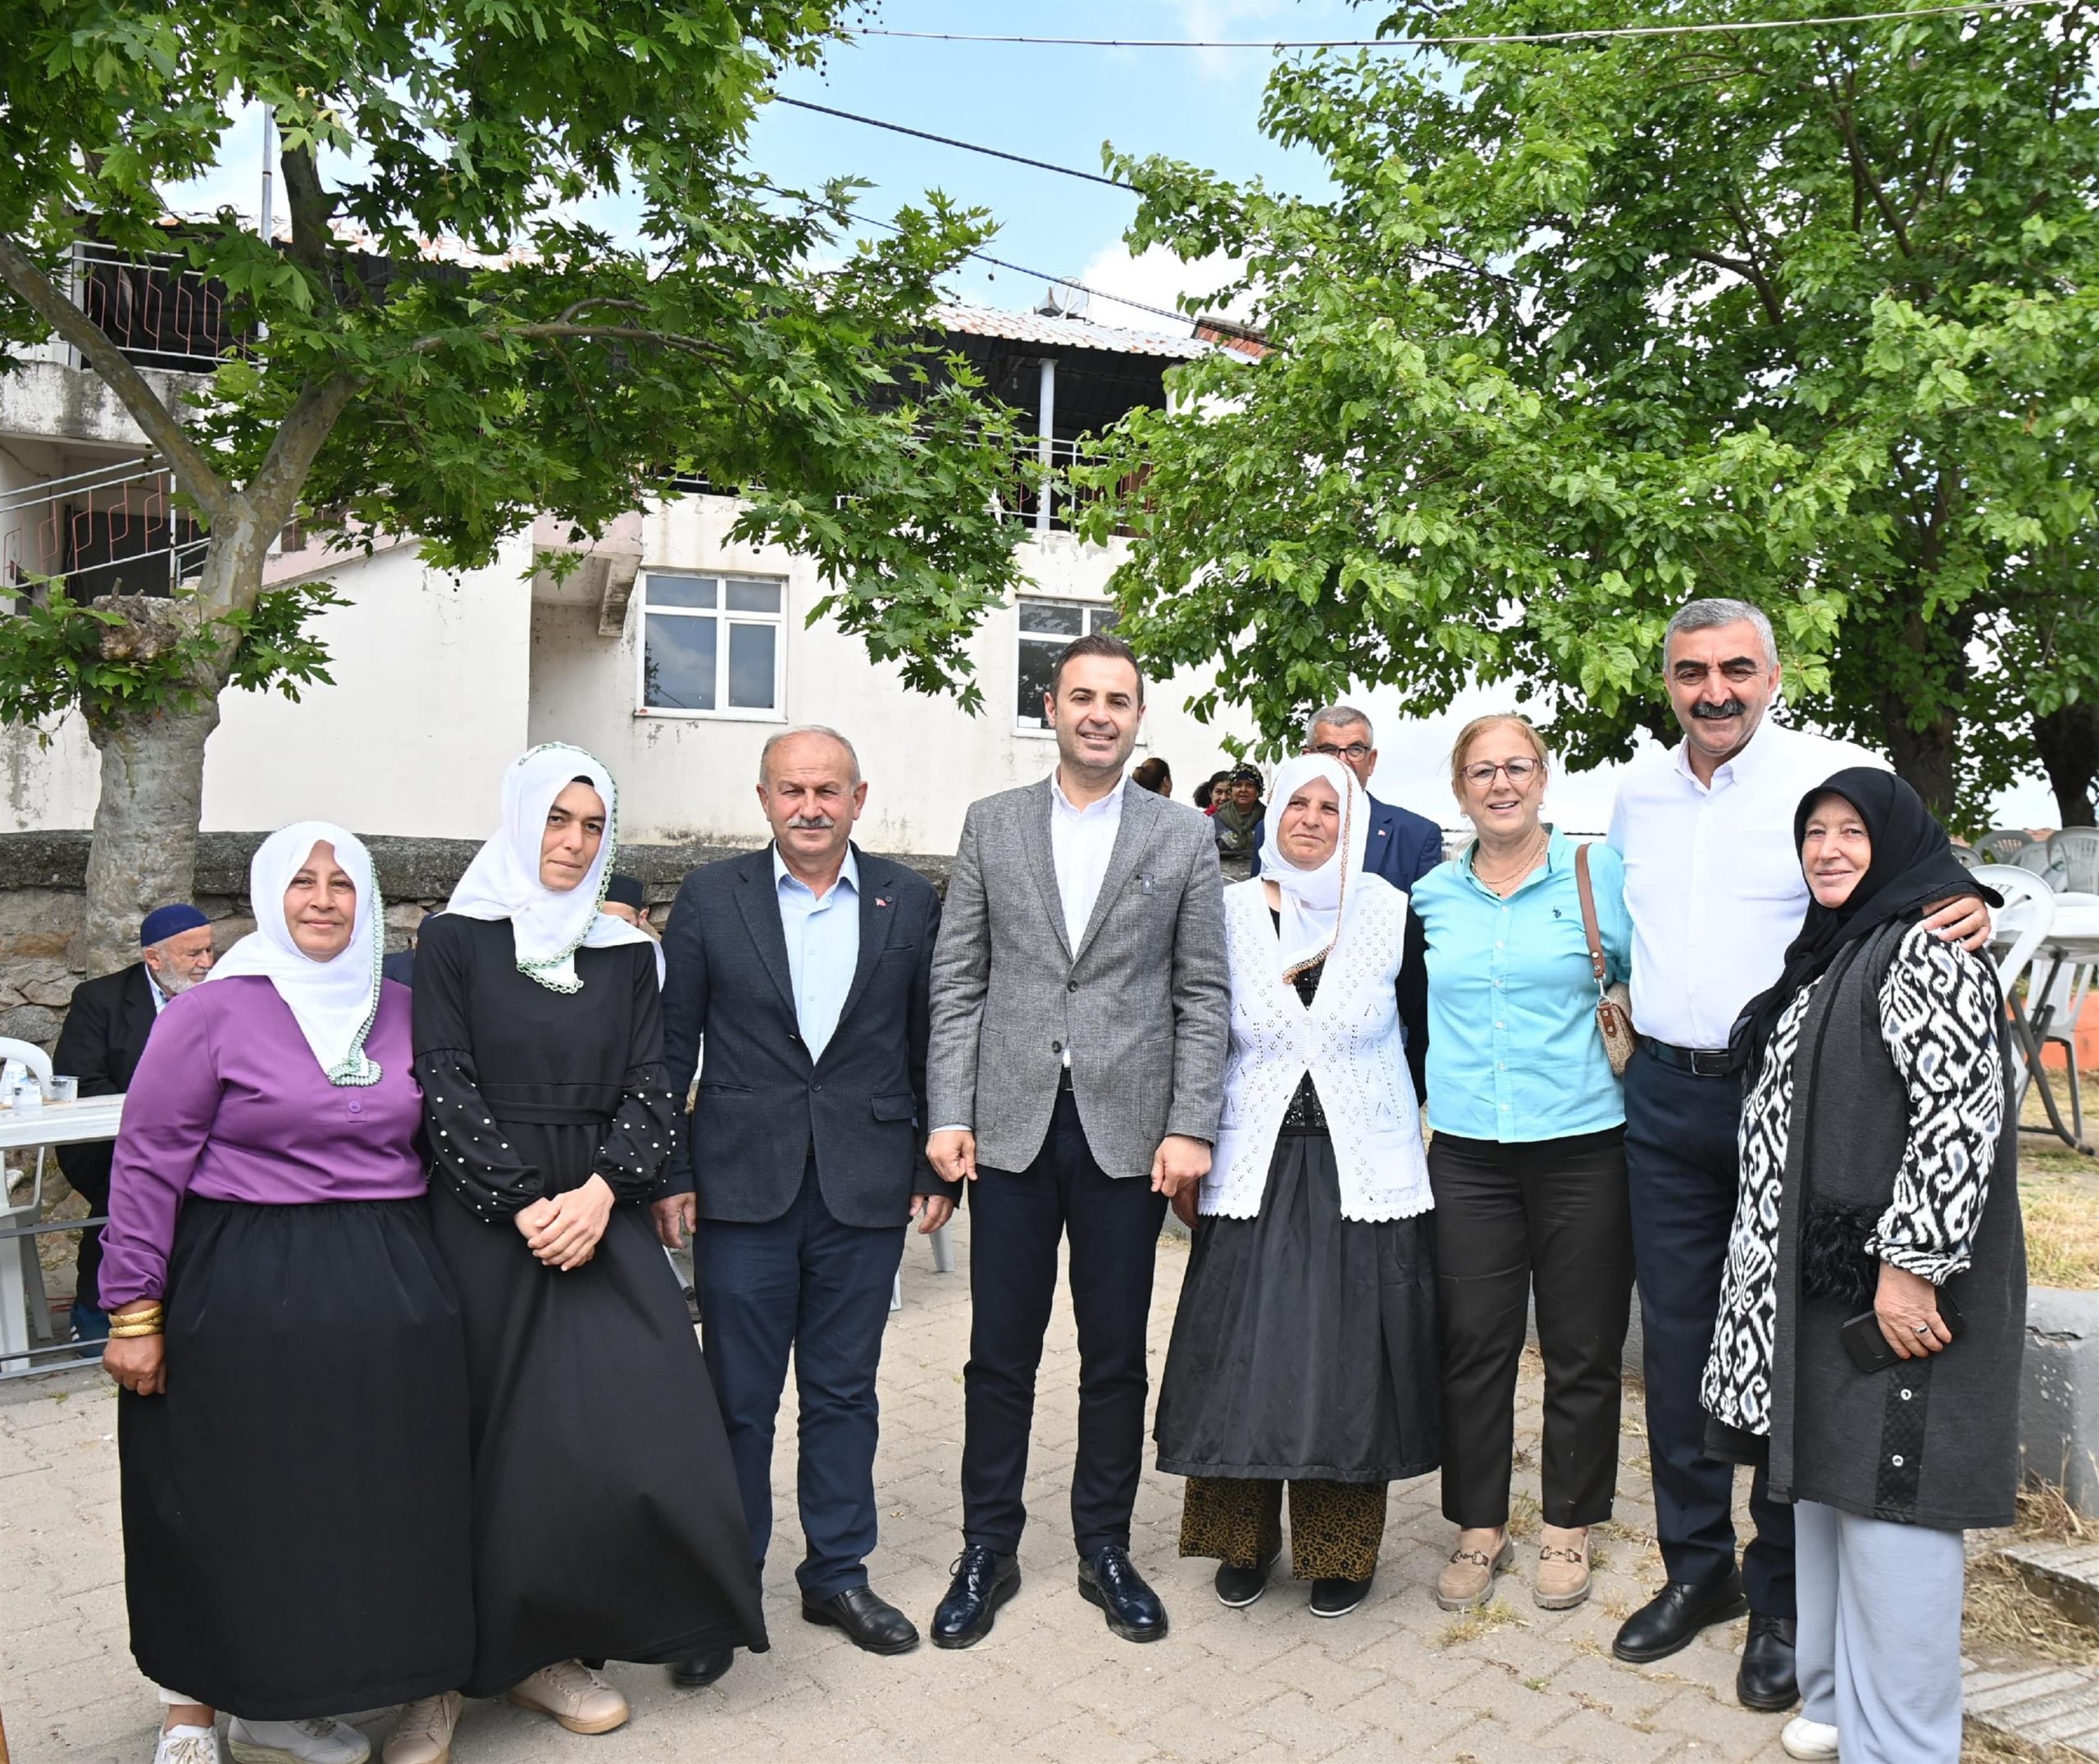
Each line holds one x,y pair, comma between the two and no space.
155,307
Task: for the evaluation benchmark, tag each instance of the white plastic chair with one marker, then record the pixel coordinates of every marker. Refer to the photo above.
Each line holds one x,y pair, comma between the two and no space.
2020,927
1999,845
21,1273
2039,861
2074,855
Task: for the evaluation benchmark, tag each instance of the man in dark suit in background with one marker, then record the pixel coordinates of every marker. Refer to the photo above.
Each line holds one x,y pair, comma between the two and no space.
106,1029
1404,847
803,969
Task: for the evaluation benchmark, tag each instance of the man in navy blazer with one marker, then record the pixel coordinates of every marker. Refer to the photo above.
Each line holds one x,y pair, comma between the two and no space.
1404,845
803,969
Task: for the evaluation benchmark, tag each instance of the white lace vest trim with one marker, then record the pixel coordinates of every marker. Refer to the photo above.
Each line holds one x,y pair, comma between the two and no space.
1348,1039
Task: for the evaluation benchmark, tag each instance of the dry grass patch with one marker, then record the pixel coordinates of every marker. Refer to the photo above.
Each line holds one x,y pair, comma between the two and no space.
1523,1515
1981,1745
2062,1229
1484,1621
2003,1615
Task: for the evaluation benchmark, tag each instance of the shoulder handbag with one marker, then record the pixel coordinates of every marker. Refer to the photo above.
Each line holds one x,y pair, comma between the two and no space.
1613,1003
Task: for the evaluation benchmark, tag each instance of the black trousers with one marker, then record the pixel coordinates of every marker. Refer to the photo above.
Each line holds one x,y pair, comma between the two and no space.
1549,1215
1683,1169
1016,1219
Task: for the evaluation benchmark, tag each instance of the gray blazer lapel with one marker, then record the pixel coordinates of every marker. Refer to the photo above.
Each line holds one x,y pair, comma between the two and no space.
1133,839
758,901
1041,862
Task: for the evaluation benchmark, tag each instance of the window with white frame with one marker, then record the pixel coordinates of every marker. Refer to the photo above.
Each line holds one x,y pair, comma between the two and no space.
1045,627
711,646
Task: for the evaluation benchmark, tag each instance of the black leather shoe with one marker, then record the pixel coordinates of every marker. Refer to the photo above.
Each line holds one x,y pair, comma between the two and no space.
1238,1588
1333,1597
702,1669
1765,1680
869,1621
983,1580
1107,1579
1669,1620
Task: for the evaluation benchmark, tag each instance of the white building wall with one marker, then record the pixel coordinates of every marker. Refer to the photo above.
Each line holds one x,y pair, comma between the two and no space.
432,675
693,776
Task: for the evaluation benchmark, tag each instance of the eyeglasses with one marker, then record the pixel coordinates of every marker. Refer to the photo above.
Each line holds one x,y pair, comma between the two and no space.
1355,752
1520,772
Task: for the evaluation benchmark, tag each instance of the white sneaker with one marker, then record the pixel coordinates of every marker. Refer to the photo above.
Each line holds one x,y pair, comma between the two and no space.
320,1740
423,1735
187,1745
1803,1739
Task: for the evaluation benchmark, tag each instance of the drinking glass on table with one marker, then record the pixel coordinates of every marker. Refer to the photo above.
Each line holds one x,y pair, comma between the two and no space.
65,1090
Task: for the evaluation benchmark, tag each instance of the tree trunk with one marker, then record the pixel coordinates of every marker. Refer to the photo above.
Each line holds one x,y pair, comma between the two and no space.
2068,741
144,850
144,853
1928,760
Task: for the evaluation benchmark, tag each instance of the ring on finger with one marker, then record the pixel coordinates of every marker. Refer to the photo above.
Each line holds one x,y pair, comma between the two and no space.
1924,1329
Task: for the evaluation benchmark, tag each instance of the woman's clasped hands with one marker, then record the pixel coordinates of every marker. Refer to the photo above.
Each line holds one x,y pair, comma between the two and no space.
562,1230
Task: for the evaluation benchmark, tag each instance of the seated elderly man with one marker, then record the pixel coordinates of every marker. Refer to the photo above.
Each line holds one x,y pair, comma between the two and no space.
106,1030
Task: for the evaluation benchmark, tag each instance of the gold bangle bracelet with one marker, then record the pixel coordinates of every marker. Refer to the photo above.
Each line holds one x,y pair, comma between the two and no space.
123,1331
156,1314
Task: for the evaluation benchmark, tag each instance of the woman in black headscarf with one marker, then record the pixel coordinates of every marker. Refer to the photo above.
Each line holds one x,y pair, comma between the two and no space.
1878,1178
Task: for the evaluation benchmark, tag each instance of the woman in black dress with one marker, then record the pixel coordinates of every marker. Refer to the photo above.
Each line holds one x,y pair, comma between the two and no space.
607,1524
1304,1349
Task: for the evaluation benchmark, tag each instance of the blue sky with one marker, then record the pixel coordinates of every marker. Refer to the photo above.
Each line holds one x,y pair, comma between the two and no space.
1055,104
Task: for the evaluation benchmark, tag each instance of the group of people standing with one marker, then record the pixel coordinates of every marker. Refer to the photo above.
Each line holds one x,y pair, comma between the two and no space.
438,1425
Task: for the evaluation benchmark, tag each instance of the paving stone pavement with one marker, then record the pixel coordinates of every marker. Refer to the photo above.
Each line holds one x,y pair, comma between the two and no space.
1399,1678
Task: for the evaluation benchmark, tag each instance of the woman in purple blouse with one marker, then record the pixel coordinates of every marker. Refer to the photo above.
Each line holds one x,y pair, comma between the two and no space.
293,1430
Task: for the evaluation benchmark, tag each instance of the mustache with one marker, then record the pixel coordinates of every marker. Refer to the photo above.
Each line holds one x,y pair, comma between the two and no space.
812,823
1717,713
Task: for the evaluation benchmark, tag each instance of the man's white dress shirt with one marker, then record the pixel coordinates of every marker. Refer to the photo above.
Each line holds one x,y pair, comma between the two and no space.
1713,880
1081,840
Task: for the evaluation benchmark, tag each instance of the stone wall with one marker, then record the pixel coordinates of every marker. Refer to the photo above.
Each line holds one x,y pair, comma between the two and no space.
42,875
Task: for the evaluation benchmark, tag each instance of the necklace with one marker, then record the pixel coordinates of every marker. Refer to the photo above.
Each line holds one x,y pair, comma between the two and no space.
1501,885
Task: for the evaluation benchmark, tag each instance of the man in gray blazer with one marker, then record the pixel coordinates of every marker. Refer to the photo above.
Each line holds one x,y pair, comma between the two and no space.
1079,1013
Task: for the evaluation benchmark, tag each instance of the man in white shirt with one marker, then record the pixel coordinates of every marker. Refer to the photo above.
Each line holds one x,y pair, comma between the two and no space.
1713,886
1074,1079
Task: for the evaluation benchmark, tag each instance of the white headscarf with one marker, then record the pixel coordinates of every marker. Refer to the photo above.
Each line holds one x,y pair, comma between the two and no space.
1313,900
334,1002
547,926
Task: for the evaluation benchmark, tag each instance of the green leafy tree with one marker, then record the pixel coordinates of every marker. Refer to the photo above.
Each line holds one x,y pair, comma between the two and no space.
1585,330
547,366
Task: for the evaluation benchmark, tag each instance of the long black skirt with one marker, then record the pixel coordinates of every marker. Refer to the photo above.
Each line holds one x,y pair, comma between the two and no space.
607,1522
295,1505
1304,1344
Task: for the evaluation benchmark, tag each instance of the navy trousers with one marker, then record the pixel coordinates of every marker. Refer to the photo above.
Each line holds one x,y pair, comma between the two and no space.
1681,1170
806,1283
1016,1220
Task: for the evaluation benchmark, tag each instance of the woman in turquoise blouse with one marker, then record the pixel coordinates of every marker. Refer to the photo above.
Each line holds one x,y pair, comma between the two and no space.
1527,1165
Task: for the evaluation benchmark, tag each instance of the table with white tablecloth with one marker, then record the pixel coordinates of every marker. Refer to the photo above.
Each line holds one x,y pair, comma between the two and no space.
74,1123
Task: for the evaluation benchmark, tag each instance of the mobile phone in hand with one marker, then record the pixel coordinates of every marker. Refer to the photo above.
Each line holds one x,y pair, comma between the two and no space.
1869,1347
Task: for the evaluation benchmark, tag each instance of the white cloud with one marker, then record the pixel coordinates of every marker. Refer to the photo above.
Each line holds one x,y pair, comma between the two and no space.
1157,278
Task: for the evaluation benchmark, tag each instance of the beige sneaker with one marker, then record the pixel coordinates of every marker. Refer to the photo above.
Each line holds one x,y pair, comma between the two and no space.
1563,1568
423,1735
1467,1581
575,1696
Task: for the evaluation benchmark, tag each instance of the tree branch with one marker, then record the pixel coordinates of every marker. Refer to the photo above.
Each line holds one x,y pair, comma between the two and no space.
192,470
556,328
274,491
1750,273
311,208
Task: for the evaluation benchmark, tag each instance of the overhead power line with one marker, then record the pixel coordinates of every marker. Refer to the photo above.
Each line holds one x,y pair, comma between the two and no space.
967,147
1483,40
1443,262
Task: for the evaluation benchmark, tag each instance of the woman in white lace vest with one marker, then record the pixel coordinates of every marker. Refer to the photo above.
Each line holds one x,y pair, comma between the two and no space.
1304,1351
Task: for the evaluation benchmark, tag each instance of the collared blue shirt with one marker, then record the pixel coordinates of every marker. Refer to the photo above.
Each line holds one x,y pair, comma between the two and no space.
823,946
1513,1053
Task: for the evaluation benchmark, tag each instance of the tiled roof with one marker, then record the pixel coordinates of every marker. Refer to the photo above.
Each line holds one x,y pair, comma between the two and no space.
1072,333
